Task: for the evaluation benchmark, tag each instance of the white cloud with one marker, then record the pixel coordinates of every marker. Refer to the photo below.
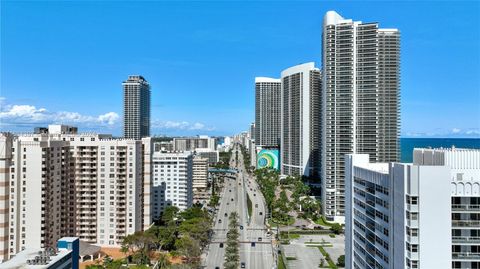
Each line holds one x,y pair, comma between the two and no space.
111,118
180,125
28,115
473,132
456,130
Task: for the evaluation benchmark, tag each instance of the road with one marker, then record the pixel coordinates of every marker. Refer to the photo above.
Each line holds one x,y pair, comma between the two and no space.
255,244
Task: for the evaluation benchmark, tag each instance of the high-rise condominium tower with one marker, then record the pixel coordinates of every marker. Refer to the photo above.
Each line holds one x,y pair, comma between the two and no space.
361,103
300,120
136,107
267,112
414,215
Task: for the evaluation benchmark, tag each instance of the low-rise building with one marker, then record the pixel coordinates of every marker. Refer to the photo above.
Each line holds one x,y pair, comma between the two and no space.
65,256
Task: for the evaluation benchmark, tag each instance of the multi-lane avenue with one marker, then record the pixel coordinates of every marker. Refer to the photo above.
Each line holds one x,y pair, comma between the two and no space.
255,246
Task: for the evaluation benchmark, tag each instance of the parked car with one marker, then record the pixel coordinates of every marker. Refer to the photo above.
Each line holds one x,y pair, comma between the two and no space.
242,265
253,244
259,239
261,213
221,245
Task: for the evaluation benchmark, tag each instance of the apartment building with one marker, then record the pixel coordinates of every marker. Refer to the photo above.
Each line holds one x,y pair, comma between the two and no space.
67,184
300,120
201,192
420,215
172,181
360,101
38,191
110,187
193,143
267,112
213,156
464,186
199,173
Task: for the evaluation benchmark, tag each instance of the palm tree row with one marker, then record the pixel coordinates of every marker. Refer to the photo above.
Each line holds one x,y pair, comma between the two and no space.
232,256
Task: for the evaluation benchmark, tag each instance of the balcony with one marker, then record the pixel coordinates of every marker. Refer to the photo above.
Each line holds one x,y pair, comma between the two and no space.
465,207
466,239
466,223
466,256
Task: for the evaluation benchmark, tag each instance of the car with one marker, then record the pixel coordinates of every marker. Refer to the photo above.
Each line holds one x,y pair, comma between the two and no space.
259,239
226,215
261,213
219,221
241,227
253,244
242,265
228,203
254,194
221,245
217,267
256,205
230,190
232,199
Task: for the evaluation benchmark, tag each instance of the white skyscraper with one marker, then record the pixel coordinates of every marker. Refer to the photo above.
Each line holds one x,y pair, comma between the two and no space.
300,120
360,101
420,215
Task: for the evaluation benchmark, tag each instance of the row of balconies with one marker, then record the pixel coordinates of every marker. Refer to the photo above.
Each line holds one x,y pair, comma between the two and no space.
465,207
465,256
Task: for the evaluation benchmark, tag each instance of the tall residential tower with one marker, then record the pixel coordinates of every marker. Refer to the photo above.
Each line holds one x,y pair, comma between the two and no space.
136,107
300,120
360,101
267,111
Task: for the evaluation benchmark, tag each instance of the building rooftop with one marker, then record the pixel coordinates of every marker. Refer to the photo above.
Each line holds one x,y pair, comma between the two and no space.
265,79
35,259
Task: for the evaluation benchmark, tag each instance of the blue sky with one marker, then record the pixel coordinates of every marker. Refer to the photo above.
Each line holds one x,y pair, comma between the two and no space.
64,61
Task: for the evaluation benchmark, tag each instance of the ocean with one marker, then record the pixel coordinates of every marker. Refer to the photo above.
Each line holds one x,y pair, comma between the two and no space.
407,145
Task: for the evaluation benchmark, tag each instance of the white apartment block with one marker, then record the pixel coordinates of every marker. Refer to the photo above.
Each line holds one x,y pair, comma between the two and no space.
66,184
110,186
420,215
360,101
172,181
300,120
464,182
37,200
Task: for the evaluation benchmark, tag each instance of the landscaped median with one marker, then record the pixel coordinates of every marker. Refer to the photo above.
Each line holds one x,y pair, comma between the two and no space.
249,206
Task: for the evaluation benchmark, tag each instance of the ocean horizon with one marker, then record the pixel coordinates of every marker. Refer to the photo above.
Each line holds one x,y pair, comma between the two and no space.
408,144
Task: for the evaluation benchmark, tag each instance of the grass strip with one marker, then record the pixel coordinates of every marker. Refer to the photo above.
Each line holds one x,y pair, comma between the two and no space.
331,264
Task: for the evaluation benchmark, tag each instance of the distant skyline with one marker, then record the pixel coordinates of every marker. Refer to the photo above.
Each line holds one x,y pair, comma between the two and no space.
64,61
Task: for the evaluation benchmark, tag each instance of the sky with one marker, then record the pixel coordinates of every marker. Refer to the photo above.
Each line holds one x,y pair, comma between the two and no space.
64,61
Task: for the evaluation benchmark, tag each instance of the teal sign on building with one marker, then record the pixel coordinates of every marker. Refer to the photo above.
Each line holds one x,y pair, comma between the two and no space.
268,158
